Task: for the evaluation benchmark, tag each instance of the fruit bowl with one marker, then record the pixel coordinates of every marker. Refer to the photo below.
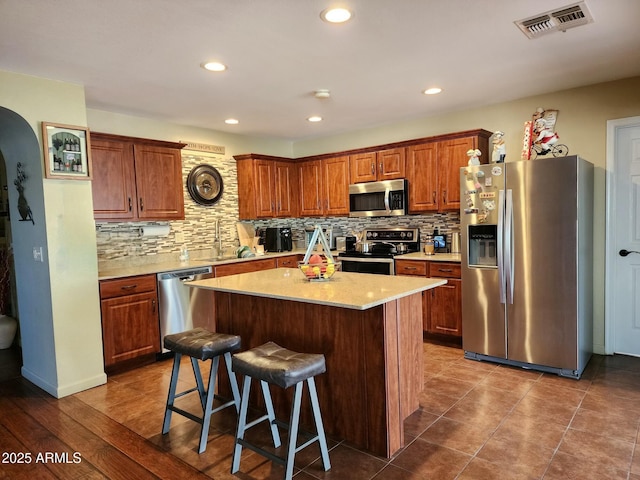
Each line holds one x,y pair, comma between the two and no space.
319,271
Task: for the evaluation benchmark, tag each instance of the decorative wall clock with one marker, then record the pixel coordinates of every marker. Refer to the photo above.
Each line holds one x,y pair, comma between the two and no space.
204,184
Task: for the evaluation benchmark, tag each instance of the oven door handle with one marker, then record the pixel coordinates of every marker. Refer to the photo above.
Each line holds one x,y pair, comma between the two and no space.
387,192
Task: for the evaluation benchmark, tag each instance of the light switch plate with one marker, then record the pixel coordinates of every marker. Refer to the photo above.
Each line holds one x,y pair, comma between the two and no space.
37,254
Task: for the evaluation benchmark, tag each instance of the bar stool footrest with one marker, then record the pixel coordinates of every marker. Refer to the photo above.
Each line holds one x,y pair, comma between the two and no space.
262,451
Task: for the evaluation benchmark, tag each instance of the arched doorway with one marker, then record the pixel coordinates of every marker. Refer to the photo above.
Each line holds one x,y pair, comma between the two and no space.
18,144
10,352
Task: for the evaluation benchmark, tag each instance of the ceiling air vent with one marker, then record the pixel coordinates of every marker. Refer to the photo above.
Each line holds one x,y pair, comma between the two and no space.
555,20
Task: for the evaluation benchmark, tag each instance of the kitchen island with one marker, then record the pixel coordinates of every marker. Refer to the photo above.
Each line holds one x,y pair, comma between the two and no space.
369,327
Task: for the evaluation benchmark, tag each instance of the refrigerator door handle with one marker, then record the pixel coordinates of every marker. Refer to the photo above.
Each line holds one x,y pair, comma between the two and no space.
508,250
501,279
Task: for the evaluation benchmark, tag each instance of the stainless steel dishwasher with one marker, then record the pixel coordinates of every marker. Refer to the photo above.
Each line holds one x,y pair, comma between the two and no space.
181,307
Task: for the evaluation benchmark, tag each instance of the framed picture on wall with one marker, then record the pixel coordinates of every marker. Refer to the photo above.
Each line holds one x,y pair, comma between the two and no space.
67,152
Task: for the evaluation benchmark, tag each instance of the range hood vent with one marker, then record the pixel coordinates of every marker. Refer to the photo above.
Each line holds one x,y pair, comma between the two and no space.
555,20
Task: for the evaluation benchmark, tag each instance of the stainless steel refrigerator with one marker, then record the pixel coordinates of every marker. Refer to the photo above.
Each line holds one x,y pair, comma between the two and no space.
527,275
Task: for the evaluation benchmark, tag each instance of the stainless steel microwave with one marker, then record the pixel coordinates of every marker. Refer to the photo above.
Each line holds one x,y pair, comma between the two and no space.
378,199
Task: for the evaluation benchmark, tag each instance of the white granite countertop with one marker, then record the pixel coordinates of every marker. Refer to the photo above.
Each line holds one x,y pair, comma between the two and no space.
438,257
153,265
144,266
358,291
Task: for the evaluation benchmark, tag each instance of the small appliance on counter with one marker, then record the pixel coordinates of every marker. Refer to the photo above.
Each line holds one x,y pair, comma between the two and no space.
278,239
345,244
439,242
330,234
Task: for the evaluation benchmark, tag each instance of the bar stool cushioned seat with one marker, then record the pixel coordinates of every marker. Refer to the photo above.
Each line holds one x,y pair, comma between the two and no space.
201,344
273,364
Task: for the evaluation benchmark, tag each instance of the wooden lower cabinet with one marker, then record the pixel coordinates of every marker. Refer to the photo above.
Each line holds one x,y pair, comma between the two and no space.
130,325
445,305
244,267
290,261
442,306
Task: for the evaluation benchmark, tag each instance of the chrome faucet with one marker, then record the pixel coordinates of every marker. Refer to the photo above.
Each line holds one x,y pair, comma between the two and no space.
218,239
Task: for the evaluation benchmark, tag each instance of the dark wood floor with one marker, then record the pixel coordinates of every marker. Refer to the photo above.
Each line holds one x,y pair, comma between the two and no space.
476,421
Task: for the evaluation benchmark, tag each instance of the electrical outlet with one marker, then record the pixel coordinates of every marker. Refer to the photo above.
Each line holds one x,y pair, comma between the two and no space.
179,237
37,254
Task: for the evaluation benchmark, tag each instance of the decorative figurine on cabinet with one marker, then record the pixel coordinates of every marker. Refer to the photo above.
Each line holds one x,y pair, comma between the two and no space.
499,148
473,155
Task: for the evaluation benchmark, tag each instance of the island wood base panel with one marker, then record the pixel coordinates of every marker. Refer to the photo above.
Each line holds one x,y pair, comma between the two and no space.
374,361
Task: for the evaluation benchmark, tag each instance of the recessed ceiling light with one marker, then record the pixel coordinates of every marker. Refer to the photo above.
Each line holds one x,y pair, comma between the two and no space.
432,91
314,118
336,15
214,66
231,121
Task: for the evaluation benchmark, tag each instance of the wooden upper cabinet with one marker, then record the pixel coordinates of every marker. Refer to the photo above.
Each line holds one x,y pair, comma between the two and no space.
391,164
310,188
336,185
363,167
374,166
266,187
264,171
324,187
422,175
285,188
433,170
113,187
453,155
159,183
136,179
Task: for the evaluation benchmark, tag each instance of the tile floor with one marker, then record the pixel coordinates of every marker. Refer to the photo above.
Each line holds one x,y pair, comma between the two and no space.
476,421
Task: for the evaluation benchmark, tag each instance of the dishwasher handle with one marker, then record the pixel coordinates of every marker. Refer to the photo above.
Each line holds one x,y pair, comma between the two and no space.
185,275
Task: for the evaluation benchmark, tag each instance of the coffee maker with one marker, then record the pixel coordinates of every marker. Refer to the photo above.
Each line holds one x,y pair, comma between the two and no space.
278,239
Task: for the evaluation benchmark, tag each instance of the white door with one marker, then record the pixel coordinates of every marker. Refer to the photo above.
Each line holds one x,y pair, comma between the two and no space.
623,268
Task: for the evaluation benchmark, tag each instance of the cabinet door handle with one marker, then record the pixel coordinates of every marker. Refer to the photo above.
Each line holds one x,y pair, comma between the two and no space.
410,268
153,306
445,270
373,168
381,169
444,196
129,287
435,198
141,204
130,204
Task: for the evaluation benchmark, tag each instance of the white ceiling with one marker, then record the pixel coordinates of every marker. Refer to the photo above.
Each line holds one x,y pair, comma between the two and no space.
143,57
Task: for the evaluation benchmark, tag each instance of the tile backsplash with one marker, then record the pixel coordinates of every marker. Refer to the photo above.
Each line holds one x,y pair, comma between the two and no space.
123,242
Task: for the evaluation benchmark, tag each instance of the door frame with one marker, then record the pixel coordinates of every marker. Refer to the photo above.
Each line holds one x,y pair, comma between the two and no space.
610,238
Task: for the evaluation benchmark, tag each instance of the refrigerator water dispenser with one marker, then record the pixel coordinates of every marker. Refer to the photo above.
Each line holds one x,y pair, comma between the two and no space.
483,241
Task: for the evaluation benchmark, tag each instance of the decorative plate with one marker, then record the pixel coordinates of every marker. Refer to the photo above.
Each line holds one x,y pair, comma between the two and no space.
204,184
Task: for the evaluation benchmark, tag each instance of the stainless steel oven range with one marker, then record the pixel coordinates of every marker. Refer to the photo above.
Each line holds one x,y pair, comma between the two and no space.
377,249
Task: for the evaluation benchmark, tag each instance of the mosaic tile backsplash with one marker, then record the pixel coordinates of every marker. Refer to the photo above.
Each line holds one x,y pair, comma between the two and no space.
122,241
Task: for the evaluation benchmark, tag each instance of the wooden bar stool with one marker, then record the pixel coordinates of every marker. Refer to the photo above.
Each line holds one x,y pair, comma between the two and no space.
201,344
272,364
